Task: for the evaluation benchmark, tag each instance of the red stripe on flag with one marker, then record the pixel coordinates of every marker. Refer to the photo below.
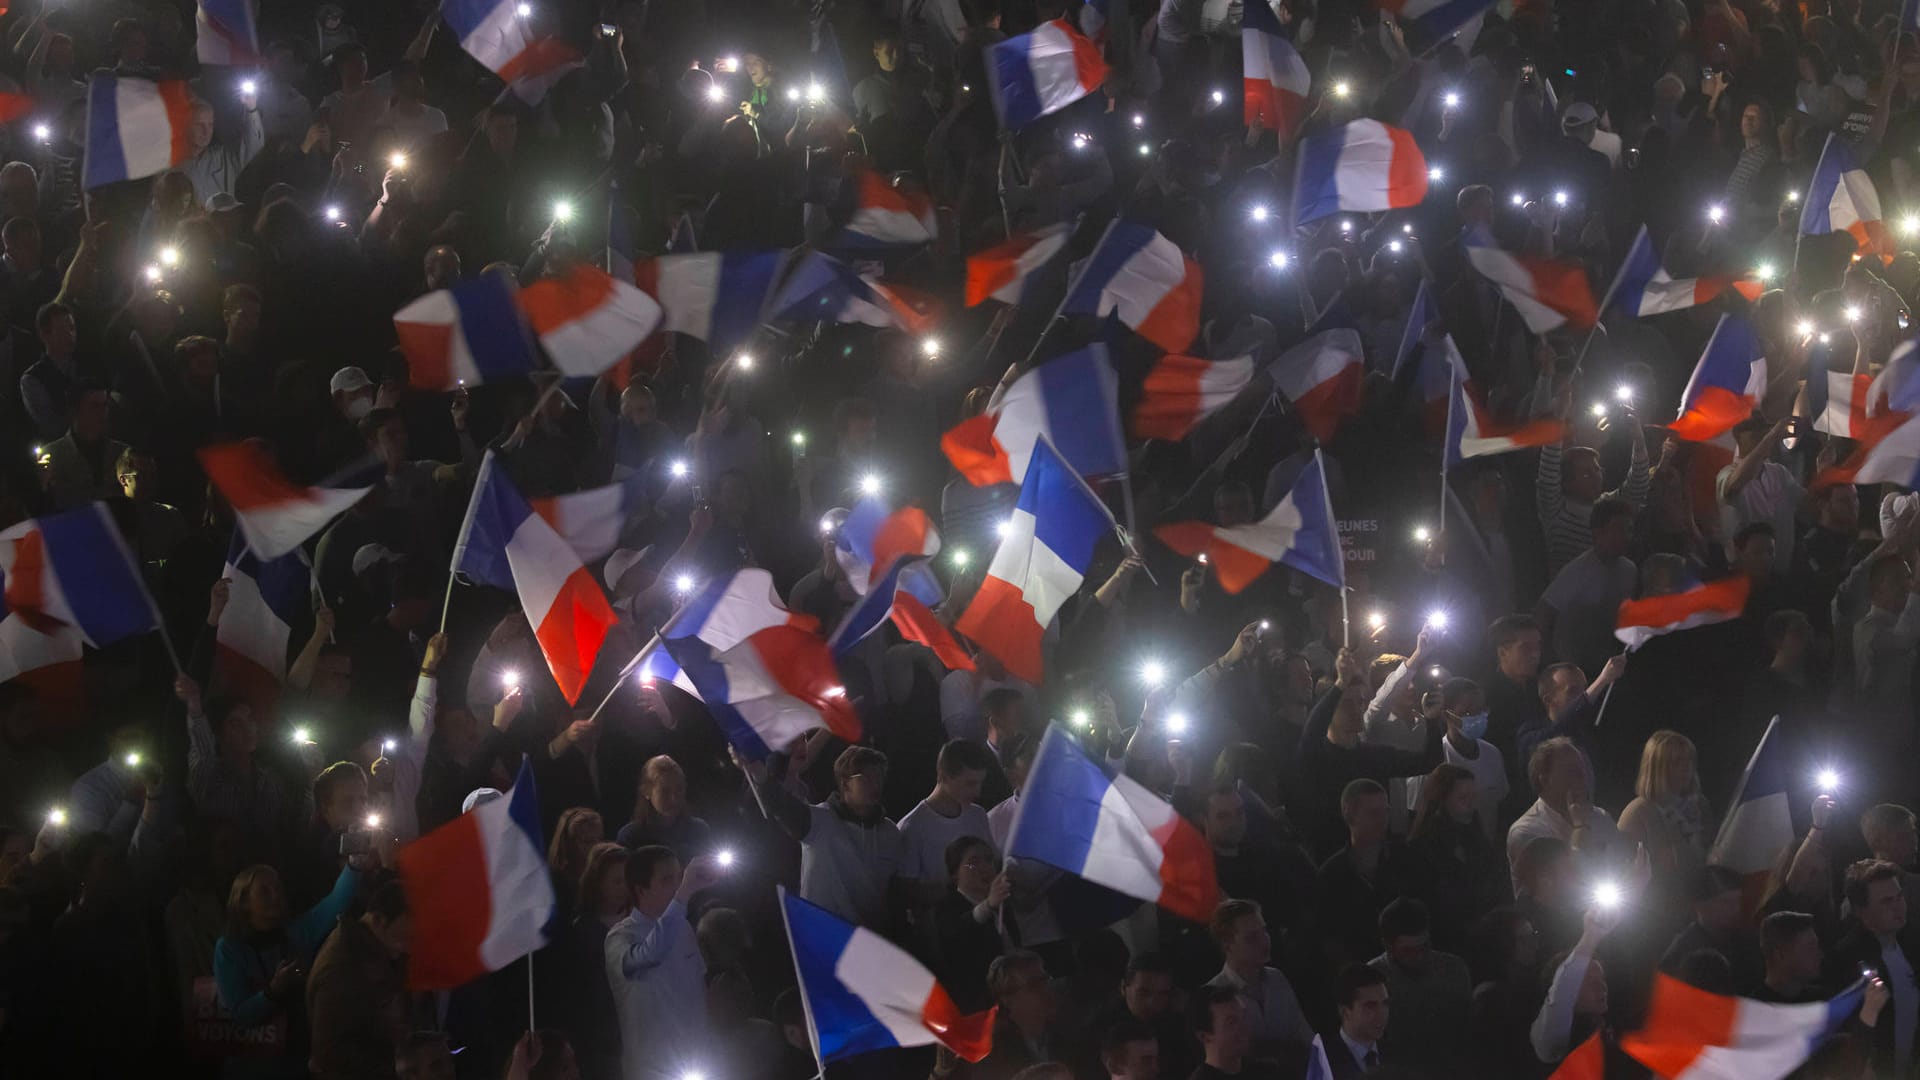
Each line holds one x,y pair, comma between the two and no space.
1857,405
1088,66
445,873
1001,621
248,478
1406,171
551,303
801,663
1587,1062
571,632
1562,286
1322,408
1682,1023
1715,410
14,106
971,1037
1726,596
1175,321
428,348
1189,885
179,104
917,623
969,445
1169,404
991,271
903,532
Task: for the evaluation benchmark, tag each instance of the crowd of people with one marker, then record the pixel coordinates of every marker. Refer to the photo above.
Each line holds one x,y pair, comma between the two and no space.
1457,828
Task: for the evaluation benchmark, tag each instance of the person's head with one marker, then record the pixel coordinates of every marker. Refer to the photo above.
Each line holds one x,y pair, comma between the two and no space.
1789,632
1715,895
1876,895
653,879
886,52
758,68
578,830
236,735
1505,944
340,795
663,788
1790,945
353,393
1406,934
1129,1051
407,82
1753,549
1463,704
1405,700
1888,582
200,127
388,919
1890,834
1559,684
971,866
1580,473
859,775
425,1055
240,310
1558,772
58,332
1669,768
19,191
1515,640
1756,122
351,61
256,903
637,404
1005,711
1838,508
91,407
1363,806
1226,820
603,883
502,127
1019,984
1450,793
129,41
1233,504
1147,987
725,937
1612,523
1221,1024
20,241
962,767
1240,930
441,266
1361,994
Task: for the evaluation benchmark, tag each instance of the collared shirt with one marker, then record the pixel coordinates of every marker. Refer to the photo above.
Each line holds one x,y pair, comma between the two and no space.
1274,1007
1542,820
658,979
1365,1054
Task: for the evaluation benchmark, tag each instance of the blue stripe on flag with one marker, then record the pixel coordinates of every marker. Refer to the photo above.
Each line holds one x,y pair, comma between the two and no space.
1122,242
493,517
283,582
1063,794
742,292
868,612
1768,775
1316,546
709,674
844,1024
106,156
523,806
490,321
1083,419
102,587
1015,94
465,16
1067,517
1316,191
1406,359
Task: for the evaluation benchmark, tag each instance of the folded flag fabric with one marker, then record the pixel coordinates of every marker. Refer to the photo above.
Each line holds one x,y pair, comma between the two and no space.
543,63
822,288
1690,1034
591,521
1363,165
873,537
1112,831
887,216
723,613
1007,272
1844,413
1181,391
227,32
587,320
1322,377
1317,1065
1275,79
1473,432
1548,293
72,570
48,662
135,128
1041,561
1726,384
503,543
1718,601
771,688
1889,453
1147,280
906,592
1436,18
1426,369
1643,287
484,877
274,514
1072,401
1038,74
1588,1061
864,993
1300,531
1760,824
1842,198
494,33
265,598
711,295
474,332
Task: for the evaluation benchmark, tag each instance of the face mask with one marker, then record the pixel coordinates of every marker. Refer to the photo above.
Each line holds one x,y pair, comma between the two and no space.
1474,726
358,408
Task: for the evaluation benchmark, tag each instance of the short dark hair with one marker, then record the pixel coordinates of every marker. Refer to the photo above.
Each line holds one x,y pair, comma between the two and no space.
1751,530
1148,963
123,29
331,777
1113,1042
1606,510
956,852
388,902
1002,972
1783,928
1352,979
1545,680
1862,875
856,761
1200,1008
963,755
999,698
1456,690
48,312
1227,916
644,862
1404,917
1507,629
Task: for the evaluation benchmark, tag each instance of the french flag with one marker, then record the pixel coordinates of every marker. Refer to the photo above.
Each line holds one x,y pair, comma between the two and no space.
1436,18
1472,432
906,593
1299,531
1842,198
494,33
771,688
273,513
723,613
135,128
1760,825
1363,165
1274,77
592,520
1147,279
46,658
1690,1034
1642,287
887,216
484,877
474,332
715,296
1548,293
1038,74
864,993
1727,382
1889,454
227,32
1111,831
505,544
587,320
1322,376
1040,563
822,288
1844,413
875,537
1181,391
1071,401
265,597
68,577
1429,370
1722,600
1007,272
543,63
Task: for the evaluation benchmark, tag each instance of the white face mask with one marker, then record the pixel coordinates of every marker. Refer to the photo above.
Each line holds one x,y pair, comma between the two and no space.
359,407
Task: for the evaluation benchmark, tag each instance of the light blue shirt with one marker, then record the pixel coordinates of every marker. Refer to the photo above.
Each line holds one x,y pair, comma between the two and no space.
659,983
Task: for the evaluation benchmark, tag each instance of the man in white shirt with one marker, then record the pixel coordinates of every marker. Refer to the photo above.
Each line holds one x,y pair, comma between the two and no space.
1393,718
1577,612
949,813
1560,777
655,970
1463,705
1240,930
1757,488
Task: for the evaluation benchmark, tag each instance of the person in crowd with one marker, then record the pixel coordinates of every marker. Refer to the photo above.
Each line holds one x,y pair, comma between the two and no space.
660,814
1576,613
1716,895
1025,1027
653,965
1362,994
1576,1001
1562,808
578,989
1513,701
262,958
851,852
357,1002
966,921
1275,1023
1569,487
1360,879
1872,944
578,832
1222,1023
951,813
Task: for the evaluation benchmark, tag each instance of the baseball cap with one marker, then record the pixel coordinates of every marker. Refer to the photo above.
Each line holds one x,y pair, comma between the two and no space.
220,202
349,379
370,556
1578,114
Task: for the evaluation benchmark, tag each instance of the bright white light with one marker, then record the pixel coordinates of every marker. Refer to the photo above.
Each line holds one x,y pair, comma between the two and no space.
1145,150
333,213
683,583
1394,246
1452,100
1793,196
1277,260
678,469
56,816
1346,226
249,87
1080,718
799,438
1910,224
1716,213
389,745
373,821
1559,198
961,558
1436,174
396,161
1258,213
1219,97
1201,558
1599,408
1407,228
1376,620
1437,619
1342,89
1153,673
1422,534
563,211
716,92
1826,339
133,760
793,93
1764,271
724,857
302,735
1827,780
816,92
1265,625
744,361
1852,313
826,526
1805,328
1623,393
43,133
1518,198
1177,724
153,273
525,11
1082,140
1139,121
1435,672
509,679
1607,894
870,484
169,256
1003,528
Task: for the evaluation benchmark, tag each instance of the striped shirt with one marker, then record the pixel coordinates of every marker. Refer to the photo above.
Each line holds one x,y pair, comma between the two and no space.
1564,518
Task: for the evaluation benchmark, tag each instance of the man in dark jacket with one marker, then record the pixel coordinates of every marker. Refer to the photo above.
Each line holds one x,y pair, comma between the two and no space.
357,994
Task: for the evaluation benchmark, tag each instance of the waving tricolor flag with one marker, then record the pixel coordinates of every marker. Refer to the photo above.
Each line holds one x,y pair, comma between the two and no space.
484,877
471,333
503,543
1362,165
135,128
1112,831
66,579
1428,368
865,993
770,689
273,513
1275,78
874,536
1690,1034
1146,279
905,592
587,319
1760,824
1071,401
1842,198
1472,432
227,32
1642,287
592,519
265,598
1548,293
1436,18
1299,531
1181,391
887,216
1322,376
1006,272
496,34
822,288
1844,412
1040,564
1038,74
1722,600
1889,453
1727,383
723,613
715,296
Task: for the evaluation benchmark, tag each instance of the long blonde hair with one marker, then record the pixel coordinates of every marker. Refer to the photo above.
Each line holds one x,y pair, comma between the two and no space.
604,858
1657,759
560,848
239,910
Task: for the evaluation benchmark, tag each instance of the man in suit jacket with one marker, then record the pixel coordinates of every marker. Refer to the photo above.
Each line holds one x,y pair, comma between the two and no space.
1354,1050
1873,944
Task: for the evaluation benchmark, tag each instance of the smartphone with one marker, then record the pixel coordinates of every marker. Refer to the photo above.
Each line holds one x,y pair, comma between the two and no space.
1706,74
608,30
356,842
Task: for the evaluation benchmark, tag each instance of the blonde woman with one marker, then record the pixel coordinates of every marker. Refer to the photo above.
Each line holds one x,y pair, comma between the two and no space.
1668,814
574,837
261,960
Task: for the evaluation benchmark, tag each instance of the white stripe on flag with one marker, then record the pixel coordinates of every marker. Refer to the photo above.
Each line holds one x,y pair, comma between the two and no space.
892,985
146,134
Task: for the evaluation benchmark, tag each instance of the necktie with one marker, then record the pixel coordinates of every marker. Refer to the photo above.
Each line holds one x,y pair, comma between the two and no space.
1372,1061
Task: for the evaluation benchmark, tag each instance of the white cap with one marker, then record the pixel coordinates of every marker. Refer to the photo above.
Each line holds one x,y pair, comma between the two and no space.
371,555
480,797
349,379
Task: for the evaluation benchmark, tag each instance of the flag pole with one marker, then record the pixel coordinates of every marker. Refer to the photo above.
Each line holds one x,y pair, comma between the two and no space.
531,1026
1326,501
1608,696
806,1004
645,651
446,605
